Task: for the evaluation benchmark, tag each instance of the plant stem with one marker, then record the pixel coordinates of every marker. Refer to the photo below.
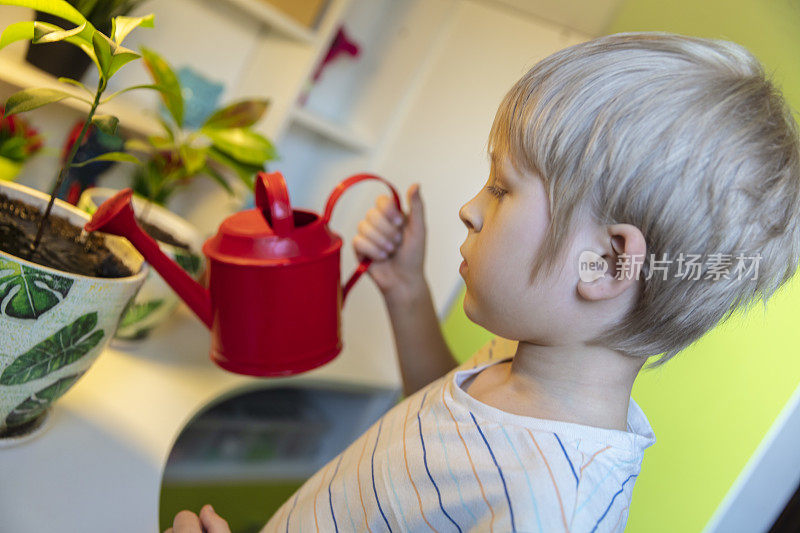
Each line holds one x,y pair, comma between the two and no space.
67,164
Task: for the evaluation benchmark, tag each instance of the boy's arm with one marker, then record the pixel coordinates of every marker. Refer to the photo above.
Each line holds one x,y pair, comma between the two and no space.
422,351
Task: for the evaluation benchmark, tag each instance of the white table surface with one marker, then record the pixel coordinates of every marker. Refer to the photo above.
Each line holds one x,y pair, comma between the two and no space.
97,465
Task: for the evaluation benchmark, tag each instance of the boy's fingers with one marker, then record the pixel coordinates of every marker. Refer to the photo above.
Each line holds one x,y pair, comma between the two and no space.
382,224
367,248
387,207
385,239
186,522
212,521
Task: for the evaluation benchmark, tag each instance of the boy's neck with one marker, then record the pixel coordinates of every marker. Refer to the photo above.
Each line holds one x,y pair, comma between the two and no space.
579,384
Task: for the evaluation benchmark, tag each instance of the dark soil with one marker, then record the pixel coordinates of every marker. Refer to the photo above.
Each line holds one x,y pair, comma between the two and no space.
63,246
161,235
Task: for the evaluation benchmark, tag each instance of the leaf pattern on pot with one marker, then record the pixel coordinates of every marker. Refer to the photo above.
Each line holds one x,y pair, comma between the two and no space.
36,403
137,312
189,262
64,347
27,292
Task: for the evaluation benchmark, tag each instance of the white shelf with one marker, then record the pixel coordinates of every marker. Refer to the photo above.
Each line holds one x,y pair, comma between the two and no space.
22,75
276,19
332,131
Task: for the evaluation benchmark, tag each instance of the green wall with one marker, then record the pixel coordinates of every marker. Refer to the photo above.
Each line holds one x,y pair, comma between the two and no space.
711,405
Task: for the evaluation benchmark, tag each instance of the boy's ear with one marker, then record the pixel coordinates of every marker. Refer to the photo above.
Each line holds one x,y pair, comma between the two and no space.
623,248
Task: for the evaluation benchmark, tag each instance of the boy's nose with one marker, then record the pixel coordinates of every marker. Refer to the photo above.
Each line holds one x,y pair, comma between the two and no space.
468,215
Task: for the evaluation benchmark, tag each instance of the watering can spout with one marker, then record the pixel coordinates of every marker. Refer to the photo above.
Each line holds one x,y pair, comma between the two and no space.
116,216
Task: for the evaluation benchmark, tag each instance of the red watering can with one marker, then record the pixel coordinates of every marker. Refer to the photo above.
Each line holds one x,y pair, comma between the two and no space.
275,297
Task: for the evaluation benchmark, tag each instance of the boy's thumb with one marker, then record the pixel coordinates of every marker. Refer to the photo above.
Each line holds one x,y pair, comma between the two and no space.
416,211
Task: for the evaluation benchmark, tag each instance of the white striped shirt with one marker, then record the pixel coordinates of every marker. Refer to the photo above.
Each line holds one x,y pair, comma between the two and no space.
442,461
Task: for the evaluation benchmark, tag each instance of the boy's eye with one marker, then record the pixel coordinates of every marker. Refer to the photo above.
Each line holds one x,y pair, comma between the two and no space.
495,191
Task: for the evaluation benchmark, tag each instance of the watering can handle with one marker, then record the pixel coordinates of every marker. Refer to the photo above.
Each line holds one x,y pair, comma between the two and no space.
272,199
333,198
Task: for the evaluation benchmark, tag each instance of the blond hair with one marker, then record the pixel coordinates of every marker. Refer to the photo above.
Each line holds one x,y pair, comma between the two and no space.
684,137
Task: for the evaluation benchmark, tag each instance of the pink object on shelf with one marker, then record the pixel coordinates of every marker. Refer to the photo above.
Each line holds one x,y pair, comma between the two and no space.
341,45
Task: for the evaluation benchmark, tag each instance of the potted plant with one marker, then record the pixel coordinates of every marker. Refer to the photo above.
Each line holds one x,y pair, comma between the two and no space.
62,291
224,144
18,143
61,59
177,238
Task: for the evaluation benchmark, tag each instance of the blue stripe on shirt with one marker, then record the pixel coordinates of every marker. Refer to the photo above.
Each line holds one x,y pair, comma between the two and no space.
527,477
450,468
347,503
425,460
374,490
595,489
567,456
612,502
288,516
397,508
499,470
330,496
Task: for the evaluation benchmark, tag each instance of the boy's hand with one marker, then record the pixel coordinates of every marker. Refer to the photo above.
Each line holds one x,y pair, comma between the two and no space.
395,242
207,522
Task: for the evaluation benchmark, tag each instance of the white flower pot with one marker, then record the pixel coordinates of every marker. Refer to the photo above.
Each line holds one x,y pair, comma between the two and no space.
156,300
54,324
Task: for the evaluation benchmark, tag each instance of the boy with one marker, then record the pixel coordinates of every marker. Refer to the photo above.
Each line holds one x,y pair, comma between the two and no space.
618,166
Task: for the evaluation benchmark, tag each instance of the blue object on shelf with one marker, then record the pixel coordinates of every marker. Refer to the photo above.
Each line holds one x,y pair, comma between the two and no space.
200,97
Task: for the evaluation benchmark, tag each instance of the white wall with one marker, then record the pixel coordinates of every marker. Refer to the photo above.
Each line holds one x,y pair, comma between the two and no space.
439,139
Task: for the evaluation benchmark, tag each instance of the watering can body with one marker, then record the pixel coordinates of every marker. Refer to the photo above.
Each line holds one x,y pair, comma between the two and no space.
274,297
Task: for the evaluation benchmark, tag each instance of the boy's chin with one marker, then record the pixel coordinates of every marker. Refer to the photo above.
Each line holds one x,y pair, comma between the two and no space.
473,312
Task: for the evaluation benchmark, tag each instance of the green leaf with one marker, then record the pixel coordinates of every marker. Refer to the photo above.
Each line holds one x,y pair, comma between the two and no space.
13,148
64,347
59,8
76,83
219,178
194,159
82,40
110,156
122,56
138,312
163,75
243,144
240,114
245,172
145,86
138,145
45,34
189,262
27,30
18,31
167,129
160,143
103,51
29,99
121,26
107,123
36,404
29,293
